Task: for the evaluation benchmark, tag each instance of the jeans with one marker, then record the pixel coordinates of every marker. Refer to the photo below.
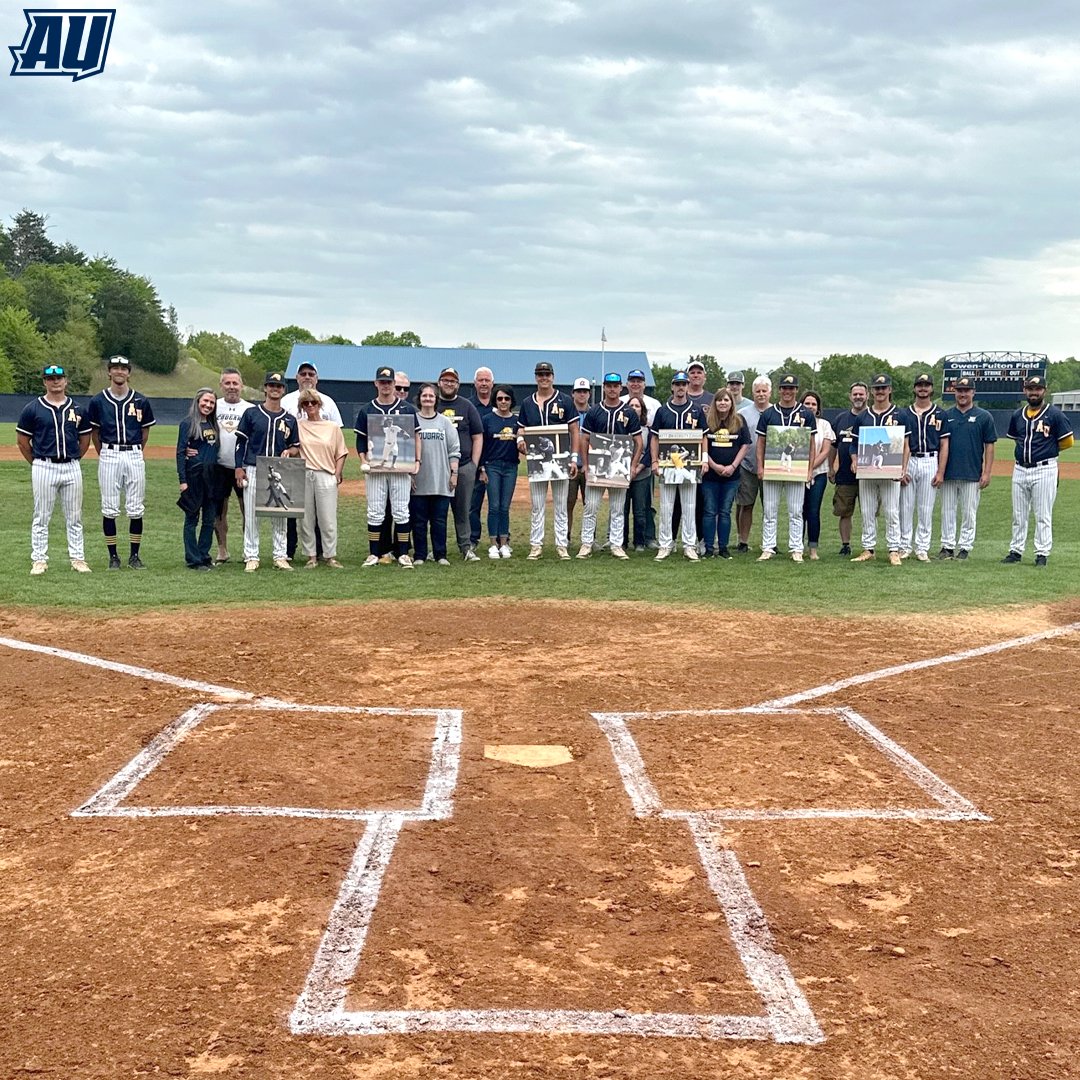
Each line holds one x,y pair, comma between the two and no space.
812,509
502,478
479,491
197,540
461,502
639,503
433,509
716,518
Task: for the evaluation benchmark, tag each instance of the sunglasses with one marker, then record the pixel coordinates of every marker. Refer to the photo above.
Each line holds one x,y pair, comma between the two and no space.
502,397
52,370
401,389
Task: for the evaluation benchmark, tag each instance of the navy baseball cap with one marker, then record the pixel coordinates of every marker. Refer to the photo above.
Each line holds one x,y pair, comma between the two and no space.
789,381
119,361
923,377
384,374
543,368
881,382
637,373
613,377
53,370
964,383
1035,381
736,377
274,378
680,376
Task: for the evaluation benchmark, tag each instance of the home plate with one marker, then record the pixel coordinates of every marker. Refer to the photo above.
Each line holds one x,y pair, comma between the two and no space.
534,757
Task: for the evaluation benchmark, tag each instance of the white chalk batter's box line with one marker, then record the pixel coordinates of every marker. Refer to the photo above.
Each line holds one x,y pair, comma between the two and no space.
951,805
436,803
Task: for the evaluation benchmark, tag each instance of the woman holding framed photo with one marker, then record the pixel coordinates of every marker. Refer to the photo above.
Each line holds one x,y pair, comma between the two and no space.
434,484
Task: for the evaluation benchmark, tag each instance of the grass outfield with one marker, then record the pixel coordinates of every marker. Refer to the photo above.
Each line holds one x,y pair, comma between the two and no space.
833,585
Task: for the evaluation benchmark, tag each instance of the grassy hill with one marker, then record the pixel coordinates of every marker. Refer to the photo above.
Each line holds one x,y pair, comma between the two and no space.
181,383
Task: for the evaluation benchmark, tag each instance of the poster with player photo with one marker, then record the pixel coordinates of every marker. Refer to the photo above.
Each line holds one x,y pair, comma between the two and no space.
547,452
787,453
679,456
609,460
881,453
279,486
392,443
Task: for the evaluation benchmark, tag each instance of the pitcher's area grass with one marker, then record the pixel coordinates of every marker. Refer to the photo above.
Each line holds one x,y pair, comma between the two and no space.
833,586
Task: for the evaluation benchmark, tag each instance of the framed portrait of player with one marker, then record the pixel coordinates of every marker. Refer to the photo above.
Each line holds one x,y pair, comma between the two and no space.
609,460
279,486
787,453
679,456
392,442
881,452
547,452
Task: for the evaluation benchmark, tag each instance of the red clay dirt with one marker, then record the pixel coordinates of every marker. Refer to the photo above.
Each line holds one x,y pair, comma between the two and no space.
178,946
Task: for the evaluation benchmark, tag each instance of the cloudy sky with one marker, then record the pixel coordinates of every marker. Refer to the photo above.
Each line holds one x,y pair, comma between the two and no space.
748,180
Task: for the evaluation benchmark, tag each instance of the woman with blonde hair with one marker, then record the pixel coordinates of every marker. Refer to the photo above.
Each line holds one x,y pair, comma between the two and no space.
728,440
322,446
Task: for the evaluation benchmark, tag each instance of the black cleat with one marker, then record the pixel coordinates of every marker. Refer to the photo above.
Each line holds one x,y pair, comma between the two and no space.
961,554
945,553
845,549
114,562
136,563
723,553
1012,557
742,549
1040,560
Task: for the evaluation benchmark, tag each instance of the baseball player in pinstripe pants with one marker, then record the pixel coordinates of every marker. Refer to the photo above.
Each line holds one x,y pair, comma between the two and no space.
121,419
929,452
53,434
967,472
1040,432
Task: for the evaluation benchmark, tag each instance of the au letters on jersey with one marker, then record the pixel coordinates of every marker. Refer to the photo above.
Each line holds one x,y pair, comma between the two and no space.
67,42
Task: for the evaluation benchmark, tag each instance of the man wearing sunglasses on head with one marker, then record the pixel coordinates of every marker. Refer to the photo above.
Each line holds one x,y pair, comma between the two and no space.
53,434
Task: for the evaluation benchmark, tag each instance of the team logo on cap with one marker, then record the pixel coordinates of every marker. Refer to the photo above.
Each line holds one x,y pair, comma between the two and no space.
67,42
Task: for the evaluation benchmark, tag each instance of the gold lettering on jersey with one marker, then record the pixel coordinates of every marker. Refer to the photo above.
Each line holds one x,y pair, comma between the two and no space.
720,437
72,417
935,422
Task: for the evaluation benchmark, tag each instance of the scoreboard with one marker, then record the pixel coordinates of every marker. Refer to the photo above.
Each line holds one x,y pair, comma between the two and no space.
999,376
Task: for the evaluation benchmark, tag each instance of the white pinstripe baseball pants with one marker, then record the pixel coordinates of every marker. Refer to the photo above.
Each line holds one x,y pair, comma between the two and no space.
965,494
251,525
920,494
1034,489
47,480
377,485
560,489
616,521
771,491
883,495
687,495
122,471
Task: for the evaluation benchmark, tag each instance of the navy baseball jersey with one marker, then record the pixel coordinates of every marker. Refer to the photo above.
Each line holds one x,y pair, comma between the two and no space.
778,416
925,429
54,430
968,435
264,434
558,409
672,417
621,420
1038,437
891,417
120,421
373,408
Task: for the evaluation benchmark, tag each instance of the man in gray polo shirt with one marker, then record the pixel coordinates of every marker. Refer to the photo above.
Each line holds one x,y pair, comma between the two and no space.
749,485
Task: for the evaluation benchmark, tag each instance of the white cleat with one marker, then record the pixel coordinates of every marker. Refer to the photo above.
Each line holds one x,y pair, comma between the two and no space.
619,553
371,560
796,556
692,555
38,568
584,551
535,552
251,566
662,554
79,566
405,561
766,555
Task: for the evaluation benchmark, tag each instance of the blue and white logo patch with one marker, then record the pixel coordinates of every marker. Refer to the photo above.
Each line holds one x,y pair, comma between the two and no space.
66,42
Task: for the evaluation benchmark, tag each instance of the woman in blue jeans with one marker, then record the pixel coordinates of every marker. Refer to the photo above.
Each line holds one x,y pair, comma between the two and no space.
499,470
196,465
824,440
434,484
641,483
729,440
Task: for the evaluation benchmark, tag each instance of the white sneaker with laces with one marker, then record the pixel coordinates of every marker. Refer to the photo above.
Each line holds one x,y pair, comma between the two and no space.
619,553
663,553
584,551
692,555
562,553
535,551
282,564
79,566
505,552
38,568
405,561
470,555
493,552
371,560
251,566
443,562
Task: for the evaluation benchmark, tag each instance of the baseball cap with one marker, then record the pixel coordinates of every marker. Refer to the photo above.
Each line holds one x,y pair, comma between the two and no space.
384,374
450,371
881,381
963,383
695,364
637,373
305,366
613,377
119,361
923,377
736,376
53,369
543,368
790,381
582,384
1035,380
274,378
680,376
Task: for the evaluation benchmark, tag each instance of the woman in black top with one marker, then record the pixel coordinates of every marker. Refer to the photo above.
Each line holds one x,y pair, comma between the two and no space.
196,458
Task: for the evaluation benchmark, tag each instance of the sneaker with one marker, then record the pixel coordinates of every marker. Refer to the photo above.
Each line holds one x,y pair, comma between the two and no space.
202,568
866,556
766,555
743,549
505,552
639,548
618,553
114,562
813,555
79,566
796,556
136,563
251,566
700,548
905,554
895,558
405,561
662,554
443,562
945,553
845,549
710,553
723,553
312,563
1013,557
962,554
535,552
334,564
384,560
691,554
470,556
1040,560
562,553
652,545
493,552
371,560
922,556
38,568
282,564
584,551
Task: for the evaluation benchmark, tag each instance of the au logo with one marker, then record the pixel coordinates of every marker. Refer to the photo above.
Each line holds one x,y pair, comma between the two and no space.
64,42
